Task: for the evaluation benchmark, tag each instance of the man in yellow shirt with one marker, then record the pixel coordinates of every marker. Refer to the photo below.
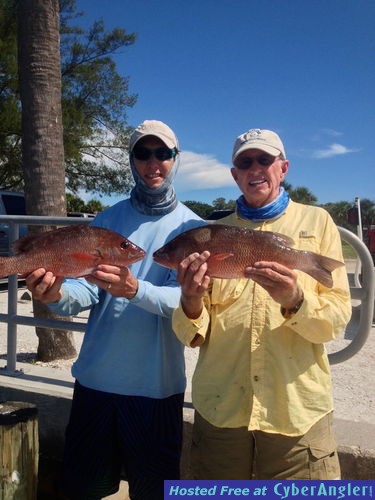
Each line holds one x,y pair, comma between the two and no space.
262,385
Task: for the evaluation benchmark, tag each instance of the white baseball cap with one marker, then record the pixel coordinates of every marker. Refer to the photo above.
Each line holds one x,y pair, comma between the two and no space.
157,129
265,140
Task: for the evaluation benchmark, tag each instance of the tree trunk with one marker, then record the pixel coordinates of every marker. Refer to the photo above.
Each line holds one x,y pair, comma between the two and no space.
57,344
42,131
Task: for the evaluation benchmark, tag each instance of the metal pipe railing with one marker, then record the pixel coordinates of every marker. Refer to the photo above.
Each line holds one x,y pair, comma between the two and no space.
11,318
364,293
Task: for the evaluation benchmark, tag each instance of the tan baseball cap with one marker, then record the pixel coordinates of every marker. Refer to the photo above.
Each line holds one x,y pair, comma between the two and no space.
156,128
265,140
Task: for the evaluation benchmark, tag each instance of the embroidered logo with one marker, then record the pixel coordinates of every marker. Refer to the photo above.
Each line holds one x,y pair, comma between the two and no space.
252,135
254,132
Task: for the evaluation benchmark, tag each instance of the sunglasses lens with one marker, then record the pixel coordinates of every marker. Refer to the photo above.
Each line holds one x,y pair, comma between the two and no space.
161,154
263,161
142,154
244,164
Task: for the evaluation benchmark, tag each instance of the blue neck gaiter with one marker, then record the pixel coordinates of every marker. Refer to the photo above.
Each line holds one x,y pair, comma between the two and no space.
270,211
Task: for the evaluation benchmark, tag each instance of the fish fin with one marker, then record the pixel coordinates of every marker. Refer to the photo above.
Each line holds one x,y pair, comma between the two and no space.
221,256
321,268
283,239
35,241
25,244
88,259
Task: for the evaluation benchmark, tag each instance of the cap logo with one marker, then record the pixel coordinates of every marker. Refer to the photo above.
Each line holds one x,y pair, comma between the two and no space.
256,138
254,132
252,135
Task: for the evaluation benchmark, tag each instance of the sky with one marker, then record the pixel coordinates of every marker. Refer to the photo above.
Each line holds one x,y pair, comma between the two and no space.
213,69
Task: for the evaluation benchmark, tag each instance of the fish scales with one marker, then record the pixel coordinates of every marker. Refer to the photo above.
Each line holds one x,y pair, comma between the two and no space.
233,249
70,251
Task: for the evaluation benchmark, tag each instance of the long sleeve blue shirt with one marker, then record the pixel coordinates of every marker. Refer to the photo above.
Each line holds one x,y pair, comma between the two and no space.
129,347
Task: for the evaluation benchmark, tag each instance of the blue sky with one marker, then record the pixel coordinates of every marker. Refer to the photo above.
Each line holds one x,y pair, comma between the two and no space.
212,69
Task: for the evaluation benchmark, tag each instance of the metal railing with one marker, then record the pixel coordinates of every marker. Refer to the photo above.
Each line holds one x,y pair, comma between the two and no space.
11,317
364,293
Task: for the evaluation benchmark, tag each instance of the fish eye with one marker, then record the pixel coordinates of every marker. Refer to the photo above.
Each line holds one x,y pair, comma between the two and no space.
124,244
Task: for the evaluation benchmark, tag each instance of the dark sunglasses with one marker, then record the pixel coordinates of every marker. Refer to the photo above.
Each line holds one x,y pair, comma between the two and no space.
162,154
262,160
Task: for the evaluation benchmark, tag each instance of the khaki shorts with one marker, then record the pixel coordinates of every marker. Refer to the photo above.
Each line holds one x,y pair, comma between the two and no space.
224,453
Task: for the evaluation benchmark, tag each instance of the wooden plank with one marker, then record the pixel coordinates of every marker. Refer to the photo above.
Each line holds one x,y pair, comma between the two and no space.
19,450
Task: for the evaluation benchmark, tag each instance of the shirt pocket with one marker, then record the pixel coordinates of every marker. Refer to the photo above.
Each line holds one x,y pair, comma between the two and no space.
307,241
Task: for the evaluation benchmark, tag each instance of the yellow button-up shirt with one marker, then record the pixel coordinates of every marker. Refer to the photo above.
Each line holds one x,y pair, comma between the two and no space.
256,368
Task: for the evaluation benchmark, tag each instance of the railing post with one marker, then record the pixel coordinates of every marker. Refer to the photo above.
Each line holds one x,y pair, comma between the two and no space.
12,309
365,293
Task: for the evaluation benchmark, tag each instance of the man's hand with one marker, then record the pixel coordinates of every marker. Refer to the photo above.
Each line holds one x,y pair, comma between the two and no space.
118,281
194,281
279,281
44,286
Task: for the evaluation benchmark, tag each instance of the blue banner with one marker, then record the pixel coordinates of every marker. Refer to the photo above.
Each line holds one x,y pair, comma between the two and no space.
280,490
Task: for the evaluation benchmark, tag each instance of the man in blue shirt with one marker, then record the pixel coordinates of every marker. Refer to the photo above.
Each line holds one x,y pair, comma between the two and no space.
130,373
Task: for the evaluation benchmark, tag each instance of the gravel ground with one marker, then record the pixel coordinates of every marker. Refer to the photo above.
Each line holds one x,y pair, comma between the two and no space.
353,380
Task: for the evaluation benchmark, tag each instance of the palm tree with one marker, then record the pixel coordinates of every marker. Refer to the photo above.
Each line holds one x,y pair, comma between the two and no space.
42,136
301,194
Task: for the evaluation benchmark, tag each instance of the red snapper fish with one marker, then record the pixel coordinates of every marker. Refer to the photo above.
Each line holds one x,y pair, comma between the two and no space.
70,251
233,249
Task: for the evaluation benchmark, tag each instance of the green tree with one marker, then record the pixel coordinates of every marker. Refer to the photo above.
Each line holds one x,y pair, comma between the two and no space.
367,212
287,186
222,204
10,116
95,99
339,213
201,209
94,207
302,194
74,203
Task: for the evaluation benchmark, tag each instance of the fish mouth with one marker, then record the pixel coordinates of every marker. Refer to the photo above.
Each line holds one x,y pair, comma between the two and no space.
137,255
157,255
161,257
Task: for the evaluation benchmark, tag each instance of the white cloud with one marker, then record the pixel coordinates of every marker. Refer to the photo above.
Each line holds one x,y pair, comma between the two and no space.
322,133
331,132
199,171
333,150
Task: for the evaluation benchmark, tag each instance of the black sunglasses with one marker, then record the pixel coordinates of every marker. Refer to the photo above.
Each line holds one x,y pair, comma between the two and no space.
162,154
262,160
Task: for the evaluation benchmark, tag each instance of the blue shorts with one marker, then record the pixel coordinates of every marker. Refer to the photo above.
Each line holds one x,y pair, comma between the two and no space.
111,437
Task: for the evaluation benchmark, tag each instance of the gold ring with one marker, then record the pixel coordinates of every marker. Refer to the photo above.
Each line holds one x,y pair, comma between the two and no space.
109,286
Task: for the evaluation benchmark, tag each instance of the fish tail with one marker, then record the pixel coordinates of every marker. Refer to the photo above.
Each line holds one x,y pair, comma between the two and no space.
320,268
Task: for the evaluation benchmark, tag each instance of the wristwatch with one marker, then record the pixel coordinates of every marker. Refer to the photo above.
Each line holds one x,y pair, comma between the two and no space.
288,313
